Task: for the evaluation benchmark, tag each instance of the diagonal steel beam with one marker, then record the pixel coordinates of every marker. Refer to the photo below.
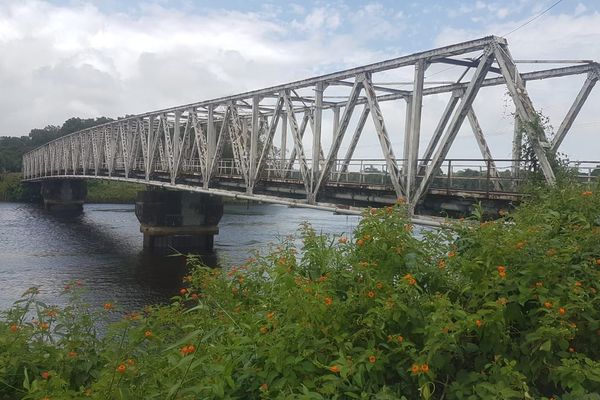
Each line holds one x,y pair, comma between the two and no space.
439,129
354,141
455,124
297,137
269,139
525,110
484,148
582,96
339,135
384,139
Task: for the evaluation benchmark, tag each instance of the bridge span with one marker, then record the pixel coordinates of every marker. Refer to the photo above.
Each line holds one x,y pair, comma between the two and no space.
237,146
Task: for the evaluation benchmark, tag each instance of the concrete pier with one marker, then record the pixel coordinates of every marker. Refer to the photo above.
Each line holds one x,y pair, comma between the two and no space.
64,194
181,221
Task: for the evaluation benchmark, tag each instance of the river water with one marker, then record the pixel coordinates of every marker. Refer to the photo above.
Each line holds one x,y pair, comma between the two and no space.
103,248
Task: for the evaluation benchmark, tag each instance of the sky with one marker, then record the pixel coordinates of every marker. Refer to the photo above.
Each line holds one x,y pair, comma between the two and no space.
111,58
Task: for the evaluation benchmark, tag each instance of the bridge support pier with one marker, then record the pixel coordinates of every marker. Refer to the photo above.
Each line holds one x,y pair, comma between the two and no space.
64,194
182,221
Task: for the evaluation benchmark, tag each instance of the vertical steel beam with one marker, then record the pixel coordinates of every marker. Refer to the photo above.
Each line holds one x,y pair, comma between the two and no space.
316,144
415,128
407,128
573,111
284,134
254,132
211,139
517,147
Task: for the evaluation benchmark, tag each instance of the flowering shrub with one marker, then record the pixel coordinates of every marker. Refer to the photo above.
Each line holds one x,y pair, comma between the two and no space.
507,309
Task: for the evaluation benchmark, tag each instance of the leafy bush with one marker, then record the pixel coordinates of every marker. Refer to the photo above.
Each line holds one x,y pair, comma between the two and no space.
507,309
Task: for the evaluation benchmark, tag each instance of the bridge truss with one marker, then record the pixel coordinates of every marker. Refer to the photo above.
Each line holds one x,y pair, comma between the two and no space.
226,145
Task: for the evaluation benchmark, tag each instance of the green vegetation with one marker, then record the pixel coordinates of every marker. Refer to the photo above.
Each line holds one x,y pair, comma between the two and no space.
112,192
507,309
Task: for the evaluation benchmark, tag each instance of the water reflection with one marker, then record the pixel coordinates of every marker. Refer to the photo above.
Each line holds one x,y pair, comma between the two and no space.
103,248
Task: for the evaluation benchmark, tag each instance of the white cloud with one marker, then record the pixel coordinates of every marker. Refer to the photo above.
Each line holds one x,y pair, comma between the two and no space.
63,61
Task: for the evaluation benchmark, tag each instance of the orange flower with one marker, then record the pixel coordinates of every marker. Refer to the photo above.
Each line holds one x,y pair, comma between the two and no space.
587,193
479,323
122,368
189,349
13,328
548,305
539,284
195,296
130,361
72,354
408,228
360,242
520,245
264,387
108,306
371,294
409,279
571,350
562,311
551,252
502,275
264,329
148,334
501,269
43,326
379,285
270,315
372,359
400,339
335,369
578,284
425,368
183,291
322,278
415,368
51,313
45,375
373,211
451,254
343,240
598,261
442,264
328,301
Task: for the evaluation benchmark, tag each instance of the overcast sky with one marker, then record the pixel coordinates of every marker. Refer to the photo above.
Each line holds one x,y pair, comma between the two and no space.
110,58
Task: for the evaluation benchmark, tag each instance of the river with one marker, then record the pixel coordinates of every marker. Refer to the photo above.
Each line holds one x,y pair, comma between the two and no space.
103,248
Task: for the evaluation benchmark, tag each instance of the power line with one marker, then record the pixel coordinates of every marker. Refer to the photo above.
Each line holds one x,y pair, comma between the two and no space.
534,18
514,30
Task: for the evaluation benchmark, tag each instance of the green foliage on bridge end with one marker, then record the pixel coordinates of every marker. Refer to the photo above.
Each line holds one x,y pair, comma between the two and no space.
507,309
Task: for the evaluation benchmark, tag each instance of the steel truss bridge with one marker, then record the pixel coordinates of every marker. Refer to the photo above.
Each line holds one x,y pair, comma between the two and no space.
226,146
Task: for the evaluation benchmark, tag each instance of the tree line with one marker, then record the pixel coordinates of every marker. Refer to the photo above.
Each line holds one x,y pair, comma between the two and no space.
12,148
